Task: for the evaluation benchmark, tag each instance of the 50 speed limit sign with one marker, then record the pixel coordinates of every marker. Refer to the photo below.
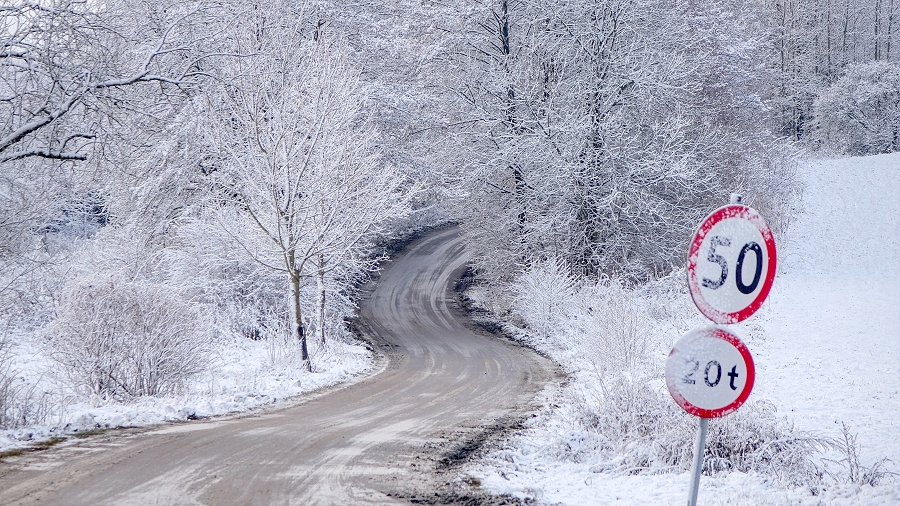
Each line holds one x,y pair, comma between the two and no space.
731,264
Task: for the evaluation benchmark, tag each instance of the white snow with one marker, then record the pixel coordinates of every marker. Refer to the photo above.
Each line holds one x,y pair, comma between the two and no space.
825,345
831,354
244,376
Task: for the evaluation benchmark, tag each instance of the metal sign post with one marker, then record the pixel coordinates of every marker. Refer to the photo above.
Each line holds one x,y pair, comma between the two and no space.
699,446
710,373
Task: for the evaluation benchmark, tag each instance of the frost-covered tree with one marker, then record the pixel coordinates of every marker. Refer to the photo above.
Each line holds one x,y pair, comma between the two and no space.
87,92
814,41
600,133
860,113
65,64
298,163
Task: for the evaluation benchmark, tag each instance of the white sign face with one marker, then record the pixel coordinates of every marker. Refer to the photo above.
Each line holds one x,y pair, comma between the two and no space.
710,372
731,264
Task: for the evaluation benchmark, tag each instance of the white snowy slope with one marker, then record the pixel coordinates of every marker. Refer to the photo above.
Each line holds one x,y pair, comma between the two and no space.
832,352
825,346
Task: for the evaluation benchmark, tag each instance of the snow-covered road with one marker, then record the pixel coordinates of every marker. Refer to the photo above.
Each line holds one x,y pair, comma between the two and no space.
440,387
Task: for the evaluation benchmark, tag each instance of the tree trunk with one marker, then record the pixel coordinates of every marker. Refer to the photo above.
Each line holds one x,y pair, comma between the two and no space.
890,31
877,29
320,286
298,320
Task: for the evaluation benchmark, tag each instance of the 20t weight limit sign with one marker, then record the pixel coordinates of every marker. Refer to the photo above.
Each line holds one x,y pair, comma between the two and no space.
710,372
731,264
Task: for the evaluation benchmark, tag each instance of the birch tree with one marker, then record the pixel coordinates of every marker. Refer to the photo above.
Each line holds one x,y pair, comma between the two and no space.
299,160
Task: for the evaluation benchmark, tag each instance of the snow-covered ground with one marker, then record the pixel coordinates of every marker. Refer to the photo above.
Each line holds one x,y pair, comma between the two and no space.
244,375
825,346
832,352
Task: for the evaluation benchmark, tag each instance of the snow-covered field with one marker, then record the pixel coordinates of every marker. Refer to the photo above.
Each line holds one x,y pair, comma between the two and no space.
832,353
825,346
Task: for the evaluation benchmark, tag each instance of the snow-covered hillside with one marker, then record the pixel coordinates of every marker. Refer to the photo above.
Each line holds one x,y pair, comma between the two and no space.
832,351
825,346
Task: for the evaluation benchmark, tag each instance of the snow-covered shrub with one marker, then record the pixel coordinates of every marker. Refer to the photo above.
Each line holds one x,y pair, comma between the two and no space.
630,427
7,391
21,403
123,339
771,184
615,334
756,438
543,297
860,113
645,431
613,340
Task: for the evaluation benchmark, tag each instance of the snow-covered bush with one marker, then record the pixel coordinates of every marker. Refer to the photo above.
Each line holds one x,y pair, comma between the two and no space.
123,339
247,298
21,403
543,297
860,113
613,340
644,431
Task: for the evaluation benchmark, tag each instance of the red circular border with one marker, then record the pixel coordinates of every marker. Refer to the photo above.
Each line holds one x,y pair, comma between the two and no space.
748,385
723,213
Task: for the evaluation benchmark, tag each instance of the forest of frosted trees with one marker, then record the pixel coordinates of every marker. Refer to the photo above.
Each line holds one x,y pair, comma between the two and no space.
175,171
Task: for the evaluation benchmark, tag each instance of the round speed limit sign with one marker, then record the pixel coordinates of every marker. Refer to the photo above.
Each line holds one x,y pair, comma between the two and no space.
731,264
710,372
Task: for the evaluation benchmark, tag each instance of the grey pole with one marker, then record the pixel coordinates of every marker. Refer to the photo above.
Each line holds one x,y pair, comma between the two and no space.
698,462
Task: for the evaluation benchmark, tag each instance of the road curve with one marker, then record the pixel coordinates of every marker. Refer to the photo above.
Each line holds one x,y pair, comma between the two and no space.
355,445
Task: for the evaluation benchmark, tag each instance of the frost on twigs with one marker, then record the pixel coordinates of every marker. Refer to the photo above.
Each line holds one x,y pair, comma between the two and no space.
850,468
123,339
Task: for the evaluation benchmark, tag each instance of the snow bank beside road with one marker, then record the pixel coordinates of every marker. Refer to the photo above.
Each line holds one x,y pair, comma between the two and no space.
825,346
244,376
